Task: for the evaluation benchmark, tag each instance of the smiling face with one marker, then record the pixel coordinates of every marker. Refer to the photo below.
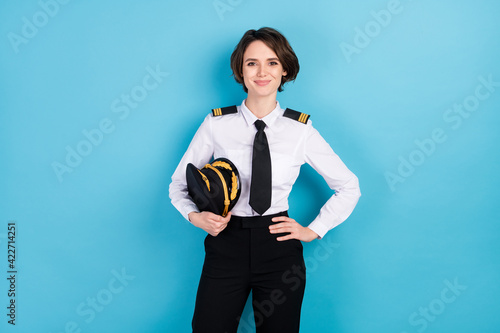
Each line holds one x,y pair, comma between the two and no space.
262,70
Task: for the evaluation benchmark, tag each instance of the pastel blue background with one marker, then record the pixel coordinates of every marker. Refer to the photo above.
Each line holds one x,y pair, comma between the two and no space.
392,258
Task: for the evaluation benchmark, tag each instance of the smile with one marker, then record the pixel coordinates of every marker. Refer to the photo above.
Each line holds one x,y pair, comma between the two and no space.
262,82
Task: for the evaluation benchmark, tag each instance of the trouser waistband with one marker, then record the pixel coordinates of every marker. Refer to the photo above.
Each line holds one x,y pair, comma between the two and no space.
251,222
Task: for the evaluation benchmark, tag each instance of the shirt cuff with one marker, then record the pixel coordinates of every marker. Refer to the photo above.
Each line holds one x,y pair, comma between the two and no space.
189,209
319,228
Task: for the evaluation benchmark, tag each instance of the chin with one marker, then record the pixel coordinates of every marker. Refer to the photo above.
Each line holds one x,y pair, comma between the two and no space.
264,91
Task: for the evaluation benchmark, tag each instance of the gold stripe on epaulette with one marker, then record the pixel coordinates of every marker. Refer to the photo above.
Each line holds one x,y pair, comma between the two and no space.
217,112
303,118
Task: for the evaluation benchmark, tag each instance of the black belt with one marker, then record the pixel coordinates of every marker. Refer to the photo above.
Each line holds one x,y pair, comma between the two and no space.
251,222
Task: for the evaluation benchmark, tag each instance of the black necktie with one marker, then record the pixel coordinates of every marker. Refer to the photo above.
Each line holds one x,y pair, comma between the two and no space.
260,188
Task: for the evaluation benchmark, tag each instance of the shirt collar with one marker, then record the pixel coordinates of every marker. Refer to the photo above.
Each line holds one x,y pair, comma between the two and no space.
251,118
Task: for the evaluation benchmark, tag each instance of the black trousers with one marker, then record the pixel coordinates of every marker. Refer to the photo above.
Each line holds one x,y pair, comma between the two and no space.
246,257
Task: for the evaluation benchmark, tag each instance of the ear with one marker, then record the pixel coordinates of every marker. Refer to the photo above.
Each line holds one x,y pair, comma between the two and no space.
285,73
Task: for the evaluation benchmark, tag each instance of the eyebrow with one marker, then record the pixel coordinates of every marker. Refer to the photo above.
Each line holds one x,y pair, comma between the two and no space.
253,59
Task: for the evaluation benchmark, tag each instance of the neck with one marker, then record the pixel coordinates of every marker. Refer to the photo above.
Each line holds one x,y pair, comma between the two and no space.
261,106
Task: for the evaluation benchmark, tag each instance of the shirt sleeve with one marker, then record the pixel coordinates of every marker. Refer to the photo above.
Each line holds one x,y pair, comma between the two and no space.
339,178
199,153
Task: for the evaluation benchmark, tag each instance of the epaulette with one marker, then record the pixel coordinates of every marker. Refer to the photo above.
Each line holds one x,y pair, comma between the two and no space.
223,111
296,115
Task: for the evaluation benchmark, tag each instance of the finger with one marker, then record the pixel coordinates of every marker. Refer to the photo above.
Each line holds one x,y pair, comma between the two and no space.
211,216
215,218
278,225
227,218
219,225
280,229
220,218
286,237
218,228
281,225
280,219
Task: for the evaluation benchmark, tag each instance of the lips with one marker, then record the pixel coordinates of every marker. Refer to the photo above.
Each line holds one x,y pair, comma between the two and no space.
262,82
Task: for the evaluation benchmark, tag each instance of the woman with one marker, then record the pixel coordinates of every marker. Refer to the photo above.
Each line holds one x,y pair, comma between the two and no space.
257,247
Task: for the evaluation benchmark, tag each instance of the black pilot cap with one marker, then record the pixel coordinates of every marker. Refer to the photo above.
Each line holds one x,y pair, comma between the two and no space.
214,188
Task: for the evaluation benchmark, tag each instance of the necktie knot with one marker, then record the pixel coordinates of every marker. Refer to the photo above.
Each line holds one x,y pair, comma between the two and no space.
260,125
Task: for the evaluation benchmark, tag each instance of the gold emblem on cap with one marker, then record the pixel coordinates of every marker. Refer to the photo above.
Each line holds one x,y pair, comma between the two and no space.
234,185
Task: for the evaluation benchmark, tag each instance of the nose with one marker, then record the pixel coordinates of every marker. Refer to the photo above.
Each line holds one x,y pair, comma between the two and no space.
262,71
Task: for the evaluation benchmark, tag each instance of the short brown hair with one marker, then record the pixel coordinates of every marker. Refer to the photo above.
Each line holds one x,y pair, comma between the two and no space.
276,42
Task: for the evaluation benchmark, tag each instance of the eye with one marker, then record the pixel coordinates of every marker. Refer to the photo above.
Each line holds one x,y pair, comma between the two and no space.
251,63
273,63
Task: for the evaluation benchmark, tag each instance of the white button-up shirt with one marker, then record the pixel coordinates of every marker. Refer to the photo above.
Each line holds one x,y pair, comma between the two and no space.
291,144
